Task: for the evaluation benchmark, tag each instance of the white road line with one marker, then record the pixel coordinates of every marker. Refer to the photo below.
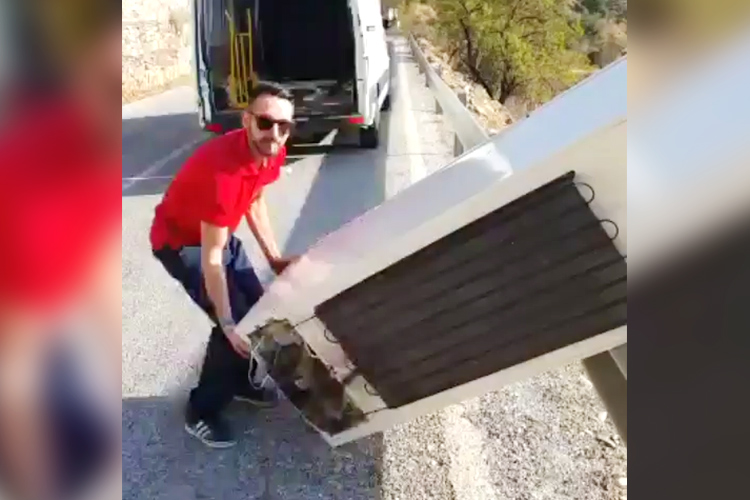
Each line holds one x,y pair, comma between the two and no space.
152,178
158,165
468,469
417,170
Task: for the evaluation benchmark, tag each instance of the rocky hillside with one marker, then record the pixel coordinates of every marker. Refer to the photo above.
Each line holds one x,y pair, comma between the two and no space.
489,112
467,54
155,46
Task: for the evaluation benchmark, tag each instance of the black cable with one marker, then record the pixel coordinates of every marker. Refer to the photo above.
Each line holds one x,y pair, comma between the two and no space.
593,193
614,224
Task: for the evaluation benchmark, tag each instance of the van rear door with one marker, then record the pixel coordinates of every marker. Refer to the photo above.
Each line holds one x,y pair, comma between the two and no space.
200,61
372,63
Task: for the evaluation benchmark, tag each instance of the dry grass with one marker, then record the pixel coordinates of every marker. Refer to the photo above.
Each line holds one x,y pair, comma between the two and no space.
416,19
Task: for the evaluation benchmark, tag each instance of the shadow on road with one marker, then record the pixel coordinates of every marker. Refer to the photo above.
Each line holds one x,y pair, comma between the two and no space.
347,184
154,148
158,184
147,140
277,457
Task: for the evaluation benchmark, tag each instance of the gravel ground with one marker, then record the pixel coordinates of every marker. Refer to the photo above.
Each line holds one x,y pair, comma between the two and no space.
415,462
546,438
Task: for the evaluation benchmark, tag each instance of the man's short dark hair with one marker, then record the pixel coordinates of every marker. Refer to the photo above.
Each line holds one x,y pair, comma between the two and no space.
268,88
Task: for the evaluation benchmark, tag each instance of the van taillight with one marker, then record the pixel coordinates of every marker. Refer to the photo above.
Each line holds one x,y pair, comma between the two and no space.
357,120
215,128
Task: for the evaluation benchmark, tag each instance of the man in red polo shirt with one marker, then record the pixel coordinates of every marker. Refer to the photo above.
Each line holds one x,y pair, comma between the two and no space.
192,236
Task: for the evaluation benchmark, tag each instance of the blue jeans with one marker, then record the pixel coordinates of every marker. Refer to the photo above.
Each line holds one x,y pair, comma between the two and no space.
224,372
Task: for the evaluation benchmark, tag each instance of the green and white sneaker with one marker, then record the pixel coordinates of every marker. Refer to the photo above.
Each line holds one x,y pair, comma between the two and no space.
214,433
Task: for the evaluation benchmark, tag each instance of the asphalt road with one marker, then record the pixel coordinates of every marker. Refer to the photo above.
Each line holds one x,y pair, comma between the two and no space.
545,438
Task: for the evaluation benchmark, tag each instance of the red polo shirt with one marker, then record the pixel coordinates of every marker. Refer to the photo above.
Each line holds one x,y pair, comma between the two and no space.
216,185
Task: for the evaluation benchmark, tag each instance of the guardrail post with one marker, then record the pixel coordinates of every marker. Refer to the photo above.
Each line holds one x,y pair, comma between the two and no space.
452,104
612,386
458,148
439,73
620,355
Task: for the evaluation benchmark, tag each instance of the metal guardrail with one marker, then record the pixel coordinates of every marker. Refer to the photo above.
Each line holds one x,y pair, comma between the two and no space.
469,132
607,371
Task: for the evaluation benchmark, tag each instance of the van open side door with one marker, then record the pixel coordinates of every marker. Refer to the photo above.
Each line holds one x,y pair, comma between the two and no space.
372,57
200,61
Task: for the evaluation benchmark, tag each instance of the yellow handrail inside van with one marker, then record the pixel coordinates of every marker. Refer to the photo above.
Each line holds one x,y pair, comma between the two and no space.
241,74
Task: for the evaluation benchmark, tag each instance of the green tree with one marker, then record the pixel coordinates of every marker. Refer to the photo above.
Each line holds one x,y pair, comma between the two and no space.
596,6
618,9
514,47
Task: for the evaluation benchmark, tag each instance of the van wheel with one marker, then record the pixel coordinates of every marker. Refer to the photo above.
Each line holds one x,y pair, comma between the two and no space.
369,138
387,103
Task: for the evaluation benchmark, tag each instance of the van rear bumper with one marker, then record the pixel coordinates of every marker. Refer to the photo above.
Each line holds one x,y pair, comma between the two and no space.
304,125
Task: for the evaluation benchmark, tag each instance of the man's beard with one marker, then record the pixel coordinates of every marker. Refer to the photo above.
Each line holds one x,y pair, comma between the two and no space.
267,148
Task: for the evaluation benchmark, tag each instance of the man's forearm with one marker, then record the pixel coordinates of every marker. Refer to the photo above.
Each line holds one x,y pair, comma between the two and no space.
260,225
216,286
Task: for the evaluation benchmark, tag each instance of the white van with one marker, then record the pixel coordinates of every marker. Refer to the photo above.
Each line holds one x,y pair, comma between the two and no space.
331,54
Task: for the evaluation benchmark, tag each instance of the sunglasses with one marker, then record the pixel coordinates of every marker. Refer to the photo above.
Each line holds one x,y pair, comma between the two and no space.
266,123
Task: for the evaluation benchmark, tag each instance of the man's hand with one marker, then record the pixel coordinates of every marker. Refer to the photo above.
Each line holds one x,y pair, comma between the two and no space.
239,344
257,219
280,264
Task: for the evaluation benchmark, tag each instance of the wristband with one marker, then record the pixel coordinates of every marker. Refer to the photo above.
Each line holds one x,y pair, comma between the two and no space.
226,322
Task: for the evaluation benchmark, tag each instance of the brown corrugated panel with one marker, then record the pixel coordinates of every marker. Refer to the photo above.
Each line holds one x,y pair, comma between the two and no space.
534,276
